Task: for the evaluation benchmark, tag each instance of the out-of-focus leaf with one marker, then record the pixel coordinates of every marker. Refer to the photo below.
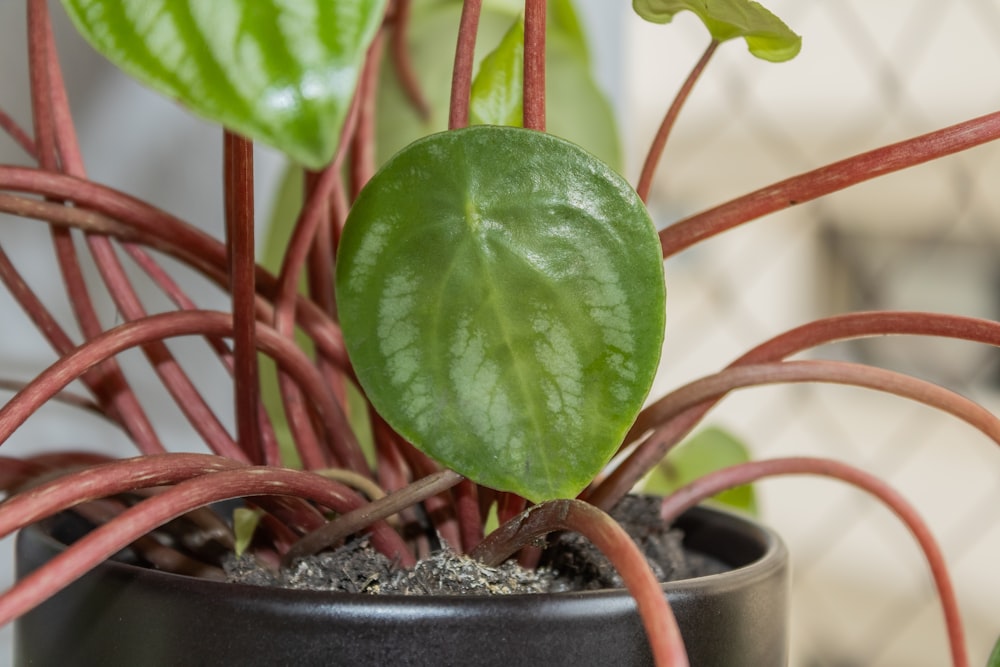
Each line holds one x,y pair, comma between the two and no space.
282,72
994,660
497,93
705,452
576,108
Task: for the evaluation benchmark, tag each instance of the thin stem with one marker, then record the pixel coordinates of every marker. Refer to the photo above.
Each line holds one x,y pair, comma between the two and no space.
160,327
238,167
461,73
666,434
835,176
104,541
608,536
362,517
534,64
747,473
403,61
18,134
363,139
669,120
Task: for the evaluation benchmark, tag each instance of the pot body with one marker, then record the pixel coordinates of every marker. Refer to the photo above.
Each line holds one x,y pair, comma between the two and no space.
120,614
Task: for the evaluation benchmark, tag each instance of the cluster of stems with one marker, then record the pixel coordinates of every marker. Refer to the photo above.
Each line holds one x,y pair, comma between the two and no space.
268,310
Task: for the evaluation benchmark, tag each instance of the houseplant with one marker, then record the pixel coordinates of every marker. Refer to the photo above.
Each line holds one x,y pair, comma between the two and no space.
668,419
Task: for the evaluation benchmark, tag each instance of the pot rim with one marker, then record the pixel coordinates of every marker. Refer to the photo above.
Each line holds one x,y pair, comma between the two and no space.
772,556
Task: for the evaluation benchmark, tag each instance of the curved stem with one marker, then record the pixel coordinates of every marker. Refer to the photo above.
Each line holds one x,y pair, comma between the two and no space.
608,536
403,61
830,178
660,140
842,327
107,539
159,327
746,473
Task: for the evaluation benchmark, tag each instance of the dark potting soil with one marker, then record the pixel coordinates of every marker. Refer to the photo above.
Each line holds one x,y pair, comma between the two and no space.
570,563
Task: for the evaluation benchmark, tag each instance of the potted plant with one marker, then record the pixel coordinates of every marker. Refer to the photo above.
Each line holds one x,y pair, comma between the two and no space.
499,303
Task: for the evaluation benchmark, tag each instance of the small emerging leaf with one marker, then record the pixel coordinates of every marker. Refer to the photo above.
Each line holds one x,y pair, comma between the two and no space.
245,522
501,298
282,72
766,35
705,452
497,93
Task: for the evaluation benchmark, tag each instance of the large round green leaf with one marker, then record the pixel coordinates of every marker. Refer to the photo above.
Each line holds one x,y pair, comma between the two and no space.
279,71
501,296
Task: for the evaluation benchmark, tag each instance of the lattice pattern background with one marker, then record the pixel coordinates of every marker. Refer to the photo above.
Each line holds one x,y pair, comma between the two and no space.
869,73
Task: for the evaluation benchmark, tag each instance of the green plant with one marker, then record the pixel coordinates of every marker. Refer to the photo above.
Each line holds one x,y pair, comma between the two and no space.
515,311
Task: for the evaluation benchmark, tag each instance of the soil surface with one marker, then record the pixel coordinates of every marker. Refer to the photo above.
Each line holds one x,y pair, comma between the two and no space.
570,563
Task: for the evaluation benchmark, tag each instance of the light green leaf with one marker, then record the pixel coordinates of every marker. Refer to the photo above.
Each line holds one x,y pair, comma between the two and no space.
497,92
278,71
766,35
705,452
501,297
576,108
245,522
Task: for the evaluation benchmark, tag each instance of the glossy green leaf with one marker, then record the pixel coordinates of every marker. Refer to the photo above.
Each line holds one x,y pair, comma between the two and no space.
705,452
501,297
497,93
576,108
766,35
282,72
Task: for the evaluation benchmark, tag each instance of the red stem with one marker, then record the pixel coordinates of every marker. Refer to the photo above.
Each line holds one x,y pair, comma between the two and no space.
363,139
403,61
239,208
18,134
180,239
461,73
669,120
55,139
830,178
608,536
747,473
842,327
107,539
534,64
159,327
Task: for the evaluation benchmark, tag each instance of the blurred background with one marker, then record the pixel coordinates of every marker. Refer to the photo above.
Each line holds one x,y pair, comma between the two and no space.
870,72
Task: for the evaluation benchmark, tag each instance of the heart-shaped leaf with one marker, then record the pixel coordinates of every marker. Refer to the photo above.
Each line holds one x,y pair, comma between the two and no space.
279,72
766,35
501,297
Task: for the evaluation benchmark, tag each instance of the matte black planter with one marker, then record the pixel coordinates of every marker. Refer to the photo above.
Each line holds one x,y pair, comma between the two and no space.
126,615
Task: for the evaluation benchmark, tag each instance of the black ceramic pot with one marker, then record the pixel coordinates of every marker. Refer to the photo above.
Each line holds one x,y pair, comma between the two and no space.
125,615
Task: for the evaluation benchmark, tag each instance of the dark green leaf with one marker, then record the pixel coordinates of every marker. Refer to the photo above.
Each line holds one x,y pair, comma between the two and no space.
766,35
278,72
706,451
497,92
501,297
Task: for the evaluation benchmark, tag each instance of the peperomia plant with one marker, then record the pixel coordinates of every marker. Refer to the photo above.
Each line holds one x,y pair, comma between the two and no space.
487,304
